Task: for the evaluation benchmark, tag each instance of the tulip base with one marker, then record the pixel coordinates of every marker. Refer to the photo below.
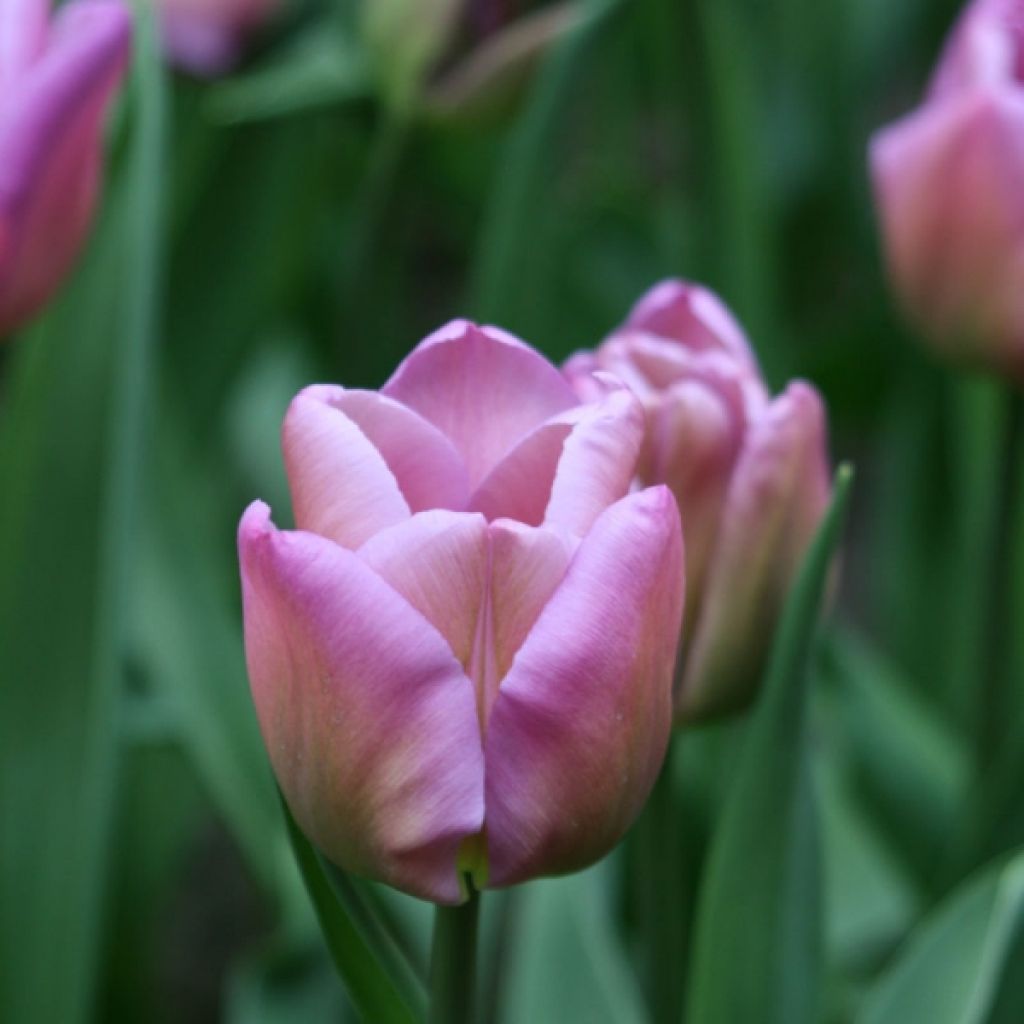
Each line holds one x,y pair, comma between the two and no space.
453,962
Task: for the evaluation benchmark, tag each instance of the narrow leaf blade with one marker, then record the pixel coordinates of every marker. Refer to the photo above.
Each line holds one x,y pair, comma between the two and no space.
760,904
377,994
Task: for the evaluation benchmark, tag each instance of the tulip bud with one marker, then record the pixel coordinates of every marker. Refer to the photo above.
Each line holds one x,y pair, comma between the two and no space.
750,475
205,37
947,182
56,81
462,659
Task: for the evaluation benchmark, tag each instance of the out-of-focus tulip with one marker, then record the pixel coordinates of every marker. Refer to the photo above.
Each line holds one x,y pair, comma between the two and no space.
750,474
949,183
461,57
56,80
462,658
206,37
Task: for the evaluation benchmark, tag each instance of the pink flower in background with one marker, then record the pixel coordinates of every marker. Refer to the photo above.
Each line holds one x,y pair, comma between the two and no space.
57,77
462,658
949,186
750,474
206,37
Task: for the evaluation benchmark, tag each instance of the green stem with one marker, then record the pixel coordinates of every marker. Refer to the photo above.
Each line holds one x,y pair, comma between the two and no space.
453,963
663,894
995,711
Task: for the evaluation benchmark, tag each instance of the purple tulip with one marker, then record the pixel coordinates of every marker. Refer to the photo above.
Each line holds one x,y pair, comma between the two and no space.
206,37
462,658
750,475
57,77
949,185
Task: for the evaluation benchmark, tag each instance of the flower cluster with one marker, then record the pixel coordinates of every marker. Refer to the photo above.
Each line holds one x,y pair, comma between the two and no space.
463,657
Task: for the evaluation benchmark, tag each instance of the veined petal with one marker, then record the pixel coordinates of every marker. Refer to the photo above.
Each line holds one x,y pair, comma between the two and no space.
438,562
483,388
579,729
341,486
527,565
369,720
428,469
777,498
50,123
519,486
598,462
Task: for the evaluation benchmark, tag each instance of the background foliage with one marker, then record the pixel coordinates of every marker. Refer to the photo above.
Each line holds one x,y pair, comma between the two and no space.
292,223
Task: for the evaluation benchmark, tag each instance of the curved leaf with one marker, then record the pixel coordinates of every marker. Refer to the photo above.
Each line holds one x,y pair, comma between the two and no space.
950,969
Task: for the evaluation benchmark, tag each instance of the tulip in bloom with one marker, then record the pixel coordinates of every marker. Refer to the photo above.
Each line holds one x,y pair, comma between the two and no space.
949,183
206,37
750,474
462,659
57,76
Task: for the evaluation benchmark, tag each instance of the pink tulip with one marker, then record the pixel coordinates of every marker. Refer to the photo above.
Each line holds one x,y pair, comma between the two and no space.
206,37
949,185
57,77
462,659
750,475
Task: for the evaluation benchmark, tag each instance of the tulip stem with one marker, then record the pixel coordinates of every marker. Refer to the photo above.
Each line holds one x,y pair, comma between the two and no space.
453,962
995,710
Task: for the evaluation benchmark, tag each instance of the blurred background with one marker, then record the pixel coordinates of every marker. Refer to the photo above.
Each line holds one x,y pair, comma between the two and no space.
350,184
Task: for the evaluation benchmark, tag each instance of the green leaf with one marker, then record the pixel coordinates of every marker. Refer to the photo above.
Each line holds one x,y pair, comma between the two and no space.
70,452
379,981
759,944
911,768
281,984
320,68
950,969
870,900
507,236
565,961
187,628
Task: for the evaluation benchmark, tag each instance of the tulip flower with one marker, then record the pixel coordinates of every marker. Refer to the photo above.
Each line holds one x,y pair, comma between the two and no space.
206,37
949,185
461,659
57,77
750,475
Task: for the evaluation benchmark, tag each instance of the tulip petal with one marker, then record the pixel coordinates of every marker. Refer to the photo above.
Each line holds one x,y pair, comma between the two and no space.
369,720
527,565
691,315
197,42
483,388
777,497
579,729
947,182
985,48
50,138
428,469
23,30
519,486
598,461
341,486
437,561
694,440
